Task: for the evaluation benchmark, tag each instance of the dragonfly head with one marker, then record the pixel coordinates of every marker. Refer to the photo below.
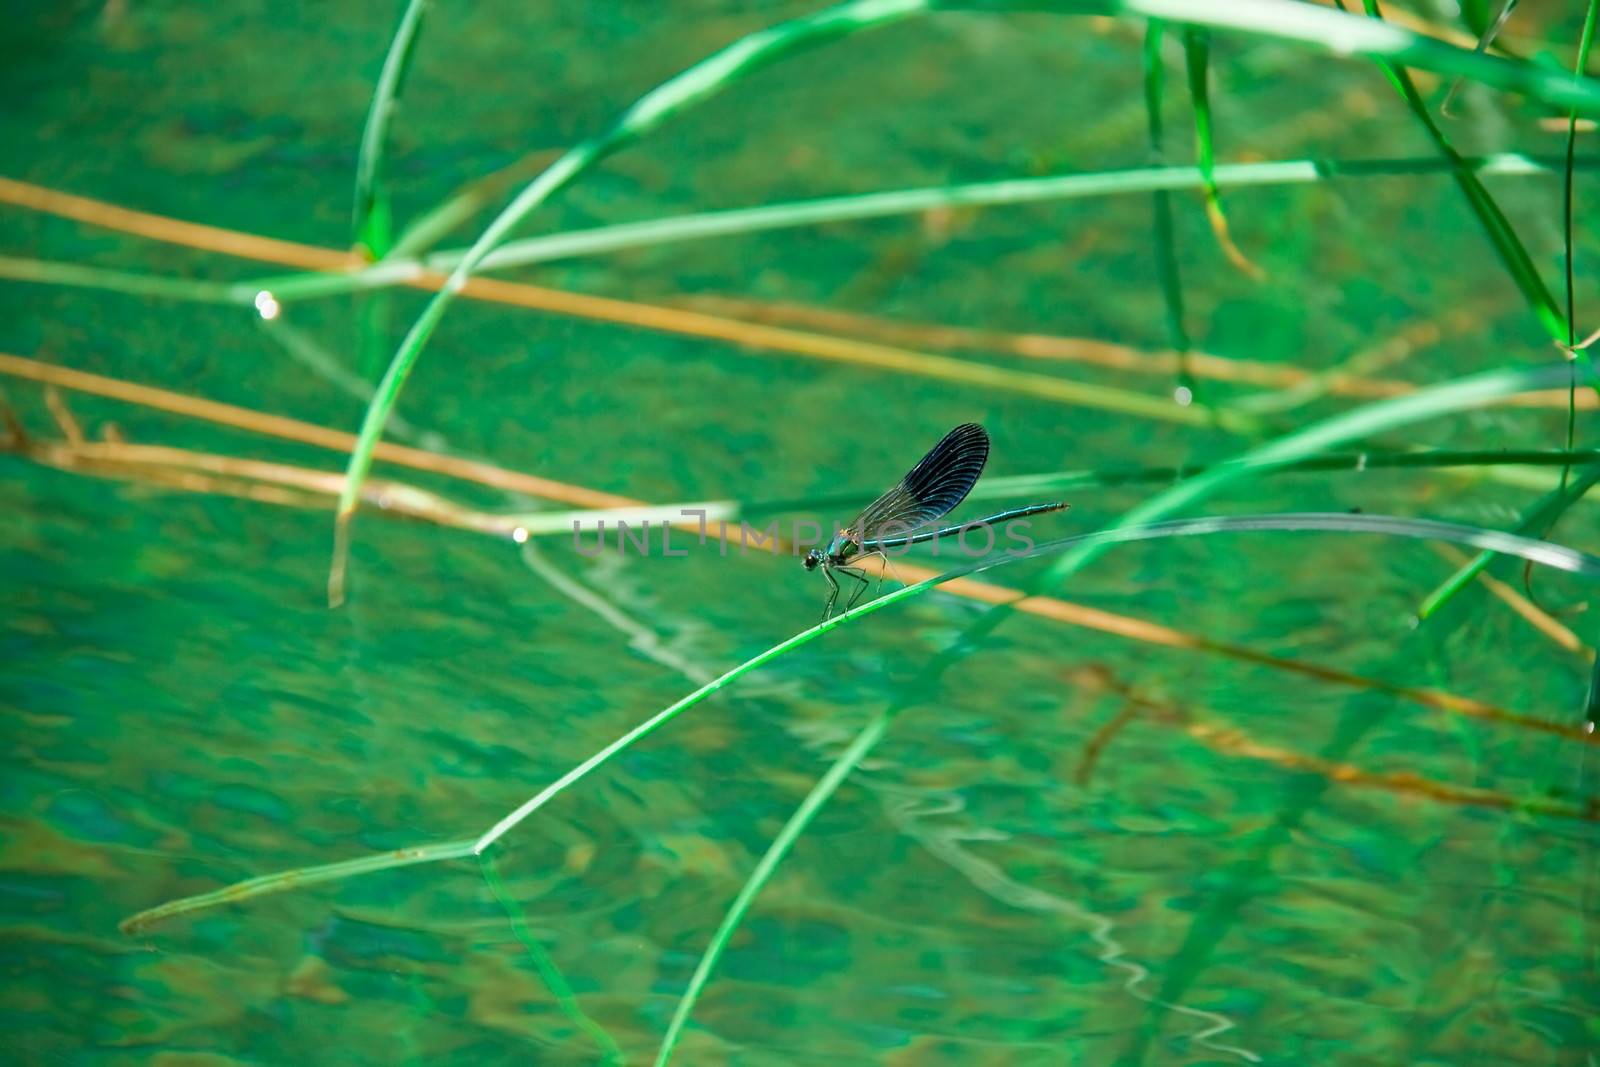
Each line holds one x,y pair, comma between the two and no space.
813,559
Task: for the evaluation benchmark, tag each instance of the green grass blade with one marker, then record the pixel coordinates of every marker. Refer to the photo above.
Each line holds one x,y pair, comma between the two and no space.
1541,516
423,232
1492,31
373,331
301,347
1166,250
1580,67
296,879
1486,37
1476,15
672,711
1535,550
566,1000
77,276
1591,702
1197,64
1343,34
1034,486
677,94
869,738
1370,419
1461,394
1197,61
1541,552
1330,31
1549,510
432,226
819,795
1281,19
373,217
794,214
1514,257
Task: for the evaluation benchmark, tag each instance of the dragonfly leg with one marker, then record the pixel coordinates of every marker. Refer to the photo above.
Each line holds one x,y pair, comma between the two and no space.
833,592
859,577
885,568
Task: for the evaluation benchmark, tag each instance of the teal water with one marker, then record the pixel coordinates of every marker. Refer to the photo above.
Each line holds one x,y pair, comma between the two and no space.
1002,883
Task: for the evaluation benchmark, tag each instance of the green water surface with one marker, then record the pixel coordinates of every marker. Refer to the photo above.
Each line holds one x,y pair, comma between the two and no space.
183,710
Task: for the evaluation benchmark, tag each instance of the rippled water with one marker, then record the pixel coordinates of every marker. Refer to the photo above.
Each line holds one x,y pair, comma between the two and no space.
1073,846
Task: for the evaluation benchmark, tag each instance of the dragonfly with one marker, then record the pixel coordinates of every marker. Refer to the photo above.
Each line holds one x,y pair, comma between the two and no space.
929,491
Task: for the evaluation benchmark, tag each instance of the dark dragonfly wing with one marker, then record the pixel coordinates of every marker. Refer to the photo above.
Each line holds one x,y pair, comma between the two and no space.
940,481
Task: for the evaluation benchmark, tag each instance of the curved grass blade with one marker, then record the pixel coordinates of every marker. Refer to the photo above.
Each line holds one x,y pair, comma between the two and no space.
1542,516
374,214
1485,38
1501,234
765,868
1206,930
549,523
79,276
1270,18
1276,18
1591,703
677,94
741,221
672,711
1364,421
1549,510
907,819
1161,209
1580,70
373,225
549,973
373,330
1544,553
1503,464
304,349
878,726
1580,67
423,232
1343,34
1197,58
297,878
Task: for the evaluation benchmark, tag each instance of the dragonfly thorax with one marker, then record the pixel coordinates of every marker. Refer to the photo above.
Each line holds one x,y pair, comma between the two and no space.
838,552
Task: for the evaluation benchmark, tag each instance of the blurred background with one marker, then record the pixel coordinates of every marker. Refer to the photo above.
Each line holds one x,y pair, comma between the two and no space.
1219,800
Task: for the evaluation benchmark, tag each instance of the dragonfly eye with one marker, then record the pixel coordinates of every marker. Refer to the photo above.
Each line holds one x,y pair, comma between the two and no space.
812,559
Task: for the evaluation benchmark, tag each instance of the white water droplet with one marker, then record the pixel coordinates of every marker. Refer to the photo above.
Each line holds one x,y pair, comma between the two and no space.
1183,395
267,305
